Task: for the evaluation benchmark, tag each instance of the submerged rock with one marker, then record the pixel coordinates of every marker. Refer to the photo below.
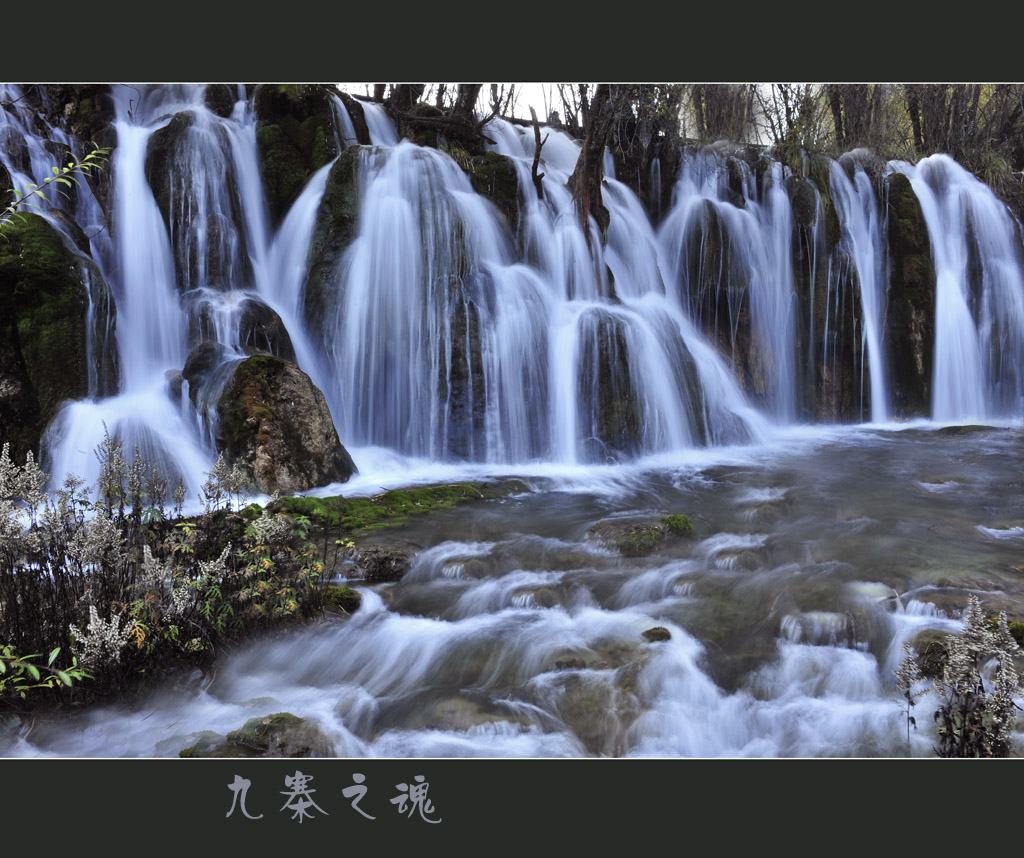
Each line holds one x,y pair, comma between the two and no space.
632,539
275,422
656,634
279,735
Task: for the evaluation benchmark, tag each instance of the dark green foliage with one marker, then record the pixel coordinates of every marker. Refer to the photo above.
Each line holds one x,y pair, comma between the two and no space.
40,283
678,525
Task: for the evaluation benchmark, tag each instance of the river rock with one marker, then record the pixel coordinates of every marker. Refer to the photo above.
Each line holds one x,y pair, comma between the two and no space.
383,563
279,735
275,422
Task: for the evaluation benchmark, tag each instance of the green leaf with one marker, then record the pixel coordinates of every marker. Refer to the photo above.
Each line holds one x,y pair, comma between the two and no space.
33,671
3,667
64,678
53,656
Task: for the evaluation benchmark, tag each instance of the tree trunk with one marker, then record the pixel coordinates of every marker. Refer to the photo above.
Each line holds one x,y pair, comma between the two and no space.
836,103
585,181
914,109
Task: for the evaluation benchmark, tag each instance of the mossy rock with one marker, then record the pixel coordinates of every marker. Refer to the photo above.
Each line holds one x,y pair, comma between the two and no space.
678,524
275,422
279,735
358,515
930,646
803,200
383,563
495,177
336,596
957,431
631,539
335,227
296,136
910,325
657,634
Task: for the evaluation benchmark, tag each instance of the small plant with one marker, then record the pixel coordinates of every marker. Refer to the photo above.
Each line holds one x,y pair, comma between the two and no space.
976,716
908,676
19,674
61,176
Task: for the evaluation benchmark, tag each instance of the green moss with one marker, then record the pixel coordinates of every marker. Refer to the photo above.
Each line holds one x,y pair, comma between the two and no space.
40,278
257,733
495,177
338,596
283,170
355,516
678,525
640,540
251,512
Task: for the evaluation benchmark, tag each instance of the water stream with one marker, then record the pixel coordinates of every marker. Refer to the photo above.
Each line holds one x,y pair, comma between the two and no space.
653,372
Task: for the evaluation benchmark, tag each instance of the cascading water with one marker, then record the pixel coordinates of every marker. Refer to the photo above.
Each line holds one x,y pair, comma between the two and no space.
859,214
979,297
728,250
609,373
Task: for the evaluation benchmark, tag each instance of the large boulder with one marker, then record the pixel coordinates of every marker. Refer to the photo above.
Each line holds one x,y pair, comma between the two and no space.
45,357
276,424
911,315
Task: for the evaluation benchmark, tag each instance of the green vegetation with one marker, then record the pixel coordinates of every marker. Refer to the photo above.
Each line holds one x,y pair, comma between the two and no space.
678,525
356,516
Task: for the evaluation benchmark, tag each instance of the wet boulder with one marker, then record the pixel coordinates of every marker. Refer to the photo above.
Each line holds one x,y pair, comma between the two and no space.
279,735
260,329
220,98
275,422
334,229
383,563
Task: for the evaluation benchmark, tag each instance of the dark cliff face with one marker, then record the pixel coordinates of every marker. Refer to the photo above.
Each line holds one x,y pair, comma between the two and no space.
45,360
911,319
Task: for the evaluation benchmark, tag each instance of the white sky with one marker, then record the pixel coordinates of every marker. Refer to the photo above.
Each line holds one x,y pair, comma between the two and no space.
542,96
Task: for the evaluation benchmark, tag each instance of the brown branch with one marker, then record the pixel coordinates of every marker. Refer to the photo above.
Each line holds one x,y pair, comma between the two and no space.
538,144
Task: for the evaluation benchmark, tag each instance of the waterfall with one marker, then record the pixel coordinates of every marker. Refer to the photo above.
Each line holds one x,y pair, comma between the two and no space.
979,300
861,240
727,244
457,335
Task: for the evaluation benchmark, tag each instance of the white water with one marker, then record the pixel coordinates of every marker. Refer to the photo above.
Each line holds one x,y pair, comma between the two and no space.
461,346
861,220
979,318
